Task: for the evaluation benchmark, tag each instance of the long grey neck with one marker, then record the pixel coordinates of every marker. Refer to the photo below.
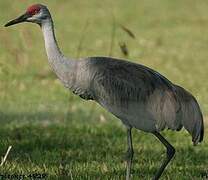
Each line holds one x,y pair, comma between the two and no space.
60,64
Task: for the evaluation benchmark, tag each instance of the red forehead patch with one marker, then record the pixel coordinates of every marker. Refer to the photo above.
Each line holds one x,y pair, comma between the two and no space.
34,9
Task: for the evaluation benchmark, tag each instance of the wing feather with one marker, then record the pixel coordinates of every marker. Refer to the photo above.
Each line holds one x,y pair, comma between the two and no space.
129,86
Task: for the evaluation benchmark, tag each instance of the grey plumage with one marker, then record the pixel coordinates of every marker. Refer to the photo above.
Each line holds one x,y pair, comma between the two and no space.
191,115
139,96
131,90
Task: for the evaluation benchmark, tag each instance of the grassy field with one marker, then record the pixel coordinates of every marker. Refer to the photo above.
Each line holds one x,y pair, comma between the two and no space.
54,132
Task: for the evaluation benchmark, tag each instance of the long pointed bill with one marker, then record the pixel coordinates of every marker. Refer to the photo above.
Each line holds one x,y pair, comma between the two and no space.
22,18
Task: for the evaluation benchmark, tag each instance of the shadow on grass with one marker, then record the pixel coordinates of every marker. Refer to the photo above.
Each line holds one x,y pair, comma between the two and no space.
6,118
93,150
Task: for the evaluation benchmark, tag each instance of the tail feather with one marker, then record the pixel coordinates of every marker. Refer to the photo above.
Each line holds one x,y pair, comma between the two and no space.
191,115
202,132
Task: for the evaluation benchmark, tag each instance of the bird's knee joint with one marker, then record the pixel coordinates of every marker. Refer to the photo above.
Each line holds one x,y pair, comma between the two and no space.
171,151
132,154
129,154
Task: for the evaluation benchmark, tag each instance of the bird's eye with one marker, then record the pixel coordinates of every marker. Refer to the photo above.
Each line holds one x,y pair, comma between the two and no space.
36,11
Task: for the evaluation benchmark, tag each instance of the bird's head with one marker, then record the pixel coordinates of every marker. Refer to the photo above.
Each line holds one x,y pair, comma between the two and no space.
36,13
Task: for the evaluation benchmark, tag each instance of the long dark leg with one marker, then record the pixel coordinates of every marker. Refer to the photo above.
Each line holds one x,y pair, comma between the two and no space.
129,154
170,154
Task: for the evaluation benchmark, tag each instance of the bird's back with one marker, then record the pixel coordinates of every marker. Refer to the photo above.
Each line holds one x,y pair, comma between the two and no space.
130,91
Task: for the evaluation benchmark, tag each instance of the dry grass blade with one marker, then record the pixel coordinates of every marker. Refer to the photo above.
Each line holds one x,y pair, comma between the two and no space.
83,33
128,31
124,48
113,35
5,156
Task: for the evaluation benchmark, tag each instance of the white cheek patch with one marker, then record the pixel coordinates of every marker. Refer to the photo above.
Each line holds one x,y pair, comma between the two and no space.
31,18
35,17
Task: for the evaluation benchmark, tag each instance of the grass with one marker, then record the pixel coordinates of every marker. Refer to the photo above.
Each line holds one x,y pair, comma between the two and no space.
57,133
86,152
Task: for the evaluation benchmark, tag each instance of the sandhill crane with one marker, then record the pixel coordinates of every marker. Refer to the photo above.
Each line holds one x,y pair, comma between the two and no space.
139,96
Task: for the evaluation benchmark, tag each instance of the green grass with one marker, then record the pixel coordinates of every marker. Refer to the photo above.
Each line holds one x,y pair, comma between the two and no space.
55,132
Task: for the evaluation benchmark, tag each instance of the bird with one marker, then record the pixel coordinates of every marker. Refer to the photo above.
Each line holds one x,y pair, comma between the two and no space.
139,96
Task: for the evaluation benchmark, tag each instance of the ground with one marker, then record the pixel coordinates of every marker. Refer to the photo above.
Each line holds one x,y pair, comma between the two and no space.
54,132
